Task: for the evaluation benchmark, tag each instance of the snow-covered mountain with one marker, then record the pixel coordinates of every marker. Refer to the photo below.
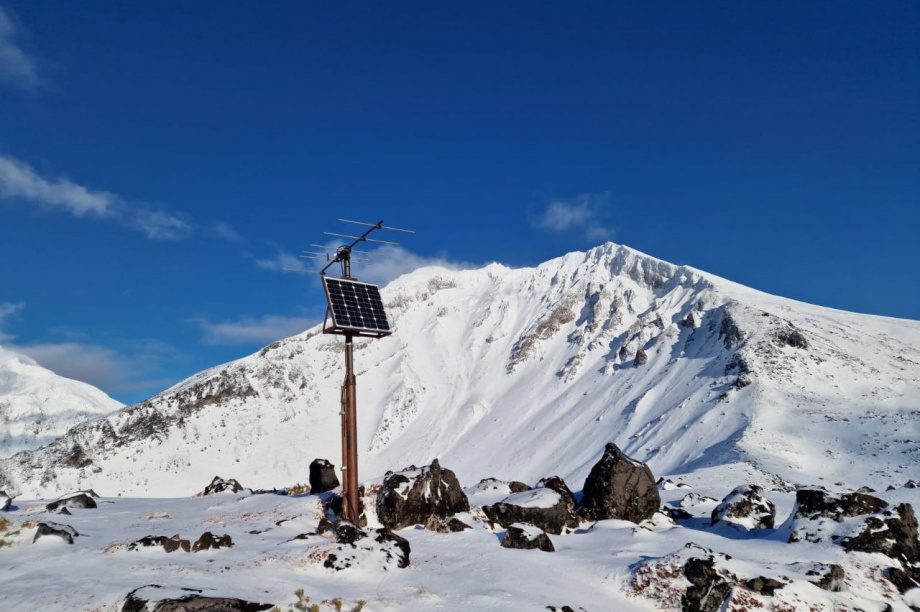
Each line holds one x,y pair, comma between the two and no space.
37,406
521,373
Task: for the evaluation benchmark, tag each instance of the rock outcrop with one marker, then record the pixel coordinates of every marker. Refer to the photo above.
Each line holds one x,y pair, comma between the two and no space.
543,508
74,500
527,536
892,532
322,476
558,485
746,506
412,496
818,512
49,529
619,487
154,598
219,485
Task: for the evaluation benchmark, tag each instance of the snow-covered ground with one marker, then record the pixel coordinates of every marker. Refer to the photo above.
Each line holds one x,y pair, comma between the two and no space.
37,406
596,568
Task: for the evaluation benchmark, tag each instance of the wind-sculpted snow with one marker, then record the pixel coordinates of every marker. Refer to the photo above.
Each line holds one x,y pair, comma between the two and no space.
520,373
37,406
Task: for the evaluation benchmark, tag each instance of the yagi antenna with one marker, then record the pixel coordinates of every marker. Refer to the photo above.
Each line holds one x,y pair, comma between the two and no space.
355,309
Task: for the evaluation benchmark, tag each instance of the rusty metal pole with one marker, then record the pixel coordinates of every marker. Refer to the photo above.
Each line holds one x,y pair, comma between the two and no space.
350,504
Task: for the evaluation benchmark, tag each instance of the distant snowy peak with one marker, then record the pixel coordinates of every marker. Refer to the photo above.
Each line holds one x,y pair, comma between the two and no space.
522,373
37,406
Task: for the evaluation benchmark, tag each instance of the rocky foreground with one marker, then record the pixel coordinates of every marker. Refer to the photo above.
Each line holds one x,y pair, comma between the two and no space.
618,541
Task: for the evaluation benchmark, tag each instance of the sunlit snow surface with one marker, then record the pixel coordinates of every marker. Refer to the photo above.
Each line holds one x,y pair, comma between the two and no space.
591,569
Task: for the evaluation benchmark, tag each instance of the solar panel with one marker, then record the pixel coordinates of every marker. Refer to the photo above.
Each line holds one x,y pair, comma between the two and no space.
356,306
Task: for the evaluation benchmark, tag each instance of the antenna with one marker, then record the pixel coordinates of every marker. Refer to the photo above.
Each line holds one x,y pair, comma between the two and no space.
355,309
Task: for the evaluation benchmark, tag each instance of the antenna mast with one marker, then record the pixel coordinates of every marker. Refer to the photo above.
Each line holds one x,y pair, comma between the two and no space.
345,299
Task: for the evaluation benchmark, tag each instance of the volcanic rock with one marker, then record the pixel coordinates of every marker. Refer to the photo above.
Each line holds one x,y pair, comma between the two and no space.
169,544
208,540
893,533
708,586
219,485
746,506
543,508
619,487
412,496
65,532
815,510
322,476
76,500
154,598
558,485
527,536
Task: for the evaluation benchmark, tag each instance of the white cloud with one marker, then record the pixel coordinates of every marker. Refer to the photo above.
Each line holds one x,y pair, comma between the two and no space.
159,225
16,66
110,369
7,309
379,266
253,330
583,212
21,181
224,230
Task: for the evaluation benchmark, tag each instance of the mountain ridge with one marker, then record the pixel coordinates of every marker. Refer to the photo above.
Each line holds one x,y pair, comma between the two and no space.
519,373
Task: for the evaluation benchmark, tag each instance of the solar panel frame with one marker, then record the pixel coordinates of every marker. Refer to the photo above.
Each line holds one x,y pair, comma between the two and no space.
356,307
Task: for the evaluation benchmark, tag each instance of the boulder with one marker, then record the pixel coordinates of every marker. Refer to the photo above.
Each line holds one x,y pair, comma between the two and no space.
764,586
208,541
322,476
905,579
892,532
354,545
453,525
543,508
6,501
74,500
518,487
65,532
169,544
219,485
412,496
746,506
640,359
154,598
833,579
619,487
709,587
527,536
818,512
558,485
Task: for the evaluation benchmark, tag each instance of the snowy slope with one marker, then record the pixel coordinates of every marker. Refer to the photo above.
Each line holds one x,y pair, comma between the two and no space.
520,373
37,406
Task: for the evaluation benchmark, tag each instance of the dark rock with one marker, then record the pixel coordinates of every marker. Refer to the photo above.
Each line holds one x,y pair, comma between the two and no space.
322,476
65,532
905,579
814,508
453,525
864,490
729,331
518,487
746,506
619,487
208,540
65,511
640,359
892,533
77,500
526,536
558,485
6,501
833,580
411,497
544,508
675,514
911,484
401,545
764,586
792,337
144,599
169,544
333,506
219,485
708,587
347,533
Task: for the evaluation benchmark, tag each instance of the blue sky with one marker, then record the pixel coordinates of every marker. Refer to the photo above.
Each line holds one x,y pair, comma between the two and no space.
159,161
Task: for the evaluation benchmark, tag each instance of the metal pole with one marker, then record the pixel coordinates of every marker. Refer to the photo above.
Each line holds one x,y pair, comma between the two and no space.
350,503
